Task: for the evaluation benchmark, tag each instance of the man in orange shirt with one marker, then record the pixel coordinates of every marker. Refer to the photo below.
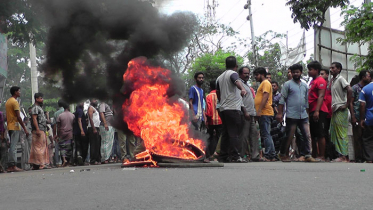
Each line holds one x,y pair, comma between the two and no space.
14,121
213,120
264,112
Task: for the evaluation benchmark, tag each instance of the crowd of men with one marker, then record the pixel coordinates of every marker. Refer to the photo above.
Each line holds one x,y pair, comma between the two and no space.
325,120
67,139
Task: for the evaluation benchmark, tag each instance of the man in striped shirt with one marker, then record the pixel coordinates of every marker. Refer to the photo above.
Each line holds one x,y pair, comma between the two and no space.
213,122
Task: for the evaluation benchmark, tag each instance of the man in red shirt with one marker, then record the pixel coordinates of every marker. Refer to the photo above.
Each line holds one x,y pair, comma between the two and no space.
318,110
213,122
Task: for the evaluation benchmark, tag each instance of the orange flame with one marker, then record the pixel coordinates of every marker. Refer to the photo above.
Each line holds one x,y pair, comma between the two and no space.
152,116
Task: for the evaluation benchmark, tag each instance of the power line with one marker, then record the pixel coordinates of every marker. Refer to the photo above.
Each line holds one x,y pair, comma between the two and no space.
228,10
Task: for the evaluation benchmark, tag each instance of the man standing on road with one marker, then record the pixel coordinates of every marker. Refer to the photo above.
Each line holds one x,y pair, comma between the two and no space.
93,135
14,123
249,134
106,132
196,101
39,148
213,121
264,112
364,77
318,110
366,121
65,123
341,97
80,134
295,96
57,157
230,91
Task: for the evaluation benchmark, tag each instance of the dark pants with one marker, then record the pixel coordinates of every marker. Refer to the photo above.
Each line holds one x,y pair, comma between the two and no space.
291,126
82,144
95,145
358,147
368,143
214,132
230,139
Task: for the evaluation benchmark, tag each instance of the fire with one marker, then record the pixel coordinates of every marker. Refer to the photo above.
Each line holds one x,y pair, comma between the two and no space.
151,115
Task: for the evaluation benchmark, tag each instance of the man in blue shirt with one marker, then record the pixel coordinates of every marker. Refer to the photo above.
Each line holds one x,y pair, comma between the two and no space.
366,121
295,96
196,101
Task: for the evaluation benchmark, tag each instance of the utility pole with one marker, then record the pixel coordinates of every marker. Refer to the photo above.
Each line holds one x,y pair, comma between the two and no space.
250,18
34,72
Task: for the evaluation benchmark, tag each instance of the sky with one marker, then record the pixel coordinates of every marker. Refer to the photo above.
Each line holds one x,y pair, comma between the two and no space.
267,15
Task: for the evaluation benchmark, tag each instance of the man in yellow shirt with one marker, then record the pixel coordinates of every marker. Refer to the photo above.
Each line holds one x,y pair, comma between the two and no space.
14,121
264,112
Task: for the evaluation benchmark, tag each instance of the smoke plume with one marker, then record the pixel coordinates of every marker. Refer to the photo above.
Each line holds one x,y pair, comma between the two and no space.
91,42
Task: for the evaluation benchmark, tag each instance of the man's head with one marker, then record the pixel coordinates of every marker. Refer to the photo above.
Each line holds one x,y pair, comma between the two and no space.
269,77
244,73
289,76
66,106
296,71
94,102
364,76
15,91
231,63
39,98
213,85
274,86
314,68
199,77
335,68
260,74
61,103
324,73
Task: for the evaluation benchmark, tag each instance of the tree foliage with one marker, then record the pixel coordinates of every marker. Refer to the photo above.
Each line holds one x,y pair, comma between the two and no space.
358,27
21,21
212,65
310,13
207,39
268,55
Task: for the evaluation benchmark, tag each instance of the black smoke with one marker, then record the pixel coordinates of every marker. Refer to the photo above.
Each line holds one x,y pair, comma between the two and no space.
91,42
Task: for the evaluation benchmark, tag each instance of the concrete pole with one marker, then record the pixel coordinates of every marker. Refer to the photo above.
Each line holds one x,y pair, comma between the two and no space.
250,17
34,72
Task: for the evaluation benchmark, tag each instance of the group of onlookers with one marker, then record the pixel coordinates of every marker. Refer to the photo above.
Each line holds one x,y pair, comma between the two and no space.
303,122
80,138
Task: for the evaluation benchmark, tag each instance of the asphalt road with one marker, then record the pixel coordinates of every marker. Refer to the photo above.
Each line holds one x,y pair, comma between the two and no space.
234,186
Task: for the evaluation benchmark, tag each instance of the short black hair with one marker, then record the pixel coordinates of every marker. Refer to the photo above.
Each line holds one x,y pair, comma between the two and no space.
260,70
198,73
268,73
338,65
295,67
240,70
66,106
315,65
231,62
326,71
213,85
274,82
61,103
14,89
362,74
38,95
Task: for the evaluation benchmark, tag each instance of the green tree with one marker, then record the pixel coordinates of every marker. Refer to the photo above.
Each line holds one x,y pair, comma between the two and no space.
268,56
310,13
358,27
208,38
22,21
212,65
